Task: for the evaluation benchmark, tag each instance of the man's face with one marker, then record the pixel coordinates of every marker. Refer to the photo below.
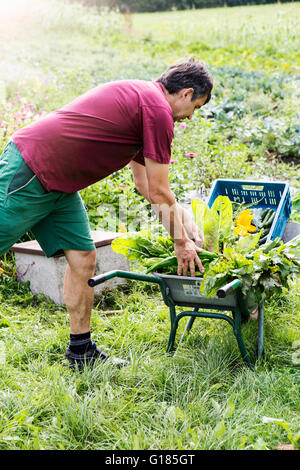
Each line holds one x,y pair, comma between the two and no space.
183,107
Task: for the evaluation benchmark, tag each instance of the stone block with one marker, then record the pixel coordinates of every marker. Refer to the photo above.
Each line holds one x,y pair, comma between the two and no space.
46,275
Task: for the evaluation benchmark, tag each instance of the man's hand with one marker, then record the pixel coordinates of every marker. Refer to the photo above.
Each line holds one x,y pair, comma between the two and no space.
186,253
197,236
192,229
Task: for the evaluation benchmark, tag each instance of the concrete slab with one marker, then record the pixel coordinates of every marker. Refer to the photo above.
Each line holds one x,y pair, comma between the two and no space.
46,275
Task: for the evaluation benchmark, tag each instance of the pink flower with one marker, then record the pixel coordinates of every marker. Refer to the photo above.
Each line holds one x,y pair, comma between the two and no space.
173,161
191,155
182,125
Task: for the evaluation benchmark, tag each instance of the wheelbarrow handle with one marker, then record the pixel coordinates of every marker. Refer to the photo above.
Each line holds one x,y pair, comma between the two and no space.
228,288
94,281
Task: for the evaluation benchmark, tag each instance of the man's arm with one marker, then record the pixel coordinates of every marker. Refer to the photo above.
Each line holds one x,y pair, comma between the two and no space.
152,181
140,178
141,184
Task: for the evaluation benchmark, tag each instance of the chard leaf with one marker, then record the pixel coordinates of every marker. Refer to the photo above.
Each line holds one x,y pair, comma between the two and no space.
215,223
211,233
217,275
126,246
238,259
200,211
207,223
247,243
139,245
222,211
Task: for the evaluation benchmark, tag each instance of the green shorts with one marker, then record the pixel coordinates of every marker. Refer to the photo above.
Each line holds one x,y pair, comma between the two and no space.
57,220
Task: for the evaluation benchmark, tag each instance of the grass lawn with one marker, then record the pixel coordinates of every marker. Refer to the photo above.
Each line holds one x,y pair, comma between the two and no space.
203,397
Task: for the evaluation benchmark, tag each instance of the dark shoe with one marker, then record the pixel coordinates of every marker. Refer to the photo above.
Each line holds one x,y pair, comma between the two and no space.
91,356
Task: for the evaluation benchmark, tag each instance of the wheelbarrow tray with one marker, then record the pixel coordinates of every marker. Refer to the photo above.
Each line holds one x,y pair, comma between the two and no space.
185,292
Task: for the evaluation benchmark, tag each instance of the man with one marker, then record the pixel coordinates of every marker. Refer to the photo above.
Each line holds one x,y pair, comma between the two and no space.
48,162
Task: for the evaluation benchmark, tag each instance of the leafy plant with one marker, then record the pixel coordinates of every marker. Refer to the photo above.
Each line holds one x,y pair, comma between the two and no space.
214,222
153,251
264,270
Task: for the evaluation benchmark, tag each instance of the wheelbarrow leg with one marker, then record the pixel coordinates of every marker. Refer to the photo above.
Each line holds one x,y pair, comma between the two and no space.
173,330
239,337
260,339
188,327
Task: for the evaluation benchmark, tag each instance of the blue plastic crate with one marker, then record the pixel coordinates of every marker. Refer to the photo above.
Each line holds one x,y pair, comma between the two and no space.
263,194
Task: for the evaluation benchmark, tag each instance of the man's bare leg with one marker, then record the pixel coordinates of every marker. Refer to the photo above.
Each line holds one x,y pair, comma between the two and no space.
78,296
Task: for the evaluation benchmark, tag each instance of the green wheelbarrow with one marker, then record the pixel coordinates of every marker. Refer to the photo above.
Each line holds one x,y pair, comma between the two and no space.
183,291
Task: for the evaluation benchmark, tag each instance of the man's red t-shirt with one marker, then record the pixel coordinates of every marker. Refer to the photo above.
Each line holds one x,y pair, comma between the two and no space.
97,134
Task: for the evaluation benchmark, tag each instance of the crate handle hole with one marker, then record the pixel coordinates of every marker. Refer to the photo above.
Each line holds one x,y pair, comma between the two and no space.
252,187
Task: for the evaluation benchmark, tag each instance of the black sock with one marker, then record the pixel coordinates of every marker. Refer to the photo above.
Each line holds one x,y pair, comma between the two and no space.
79,344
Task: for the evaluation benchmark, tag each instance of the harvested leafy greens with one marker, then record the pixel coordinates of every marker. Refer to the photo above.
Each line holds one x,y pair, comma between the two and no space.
154,252
232,250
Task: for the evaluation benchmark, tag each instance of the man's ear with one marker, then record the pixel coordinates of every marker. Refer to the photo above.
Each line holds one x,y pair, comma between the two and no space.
188,92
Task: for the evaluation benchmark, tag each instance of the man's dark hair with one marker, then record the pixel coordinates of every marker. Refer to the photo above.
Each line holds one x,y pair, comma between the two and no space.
191,73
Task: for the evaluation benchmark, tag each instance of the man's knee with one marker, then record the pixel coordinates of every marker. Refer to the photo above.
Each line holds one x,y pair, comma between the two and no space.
81,261
89,259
